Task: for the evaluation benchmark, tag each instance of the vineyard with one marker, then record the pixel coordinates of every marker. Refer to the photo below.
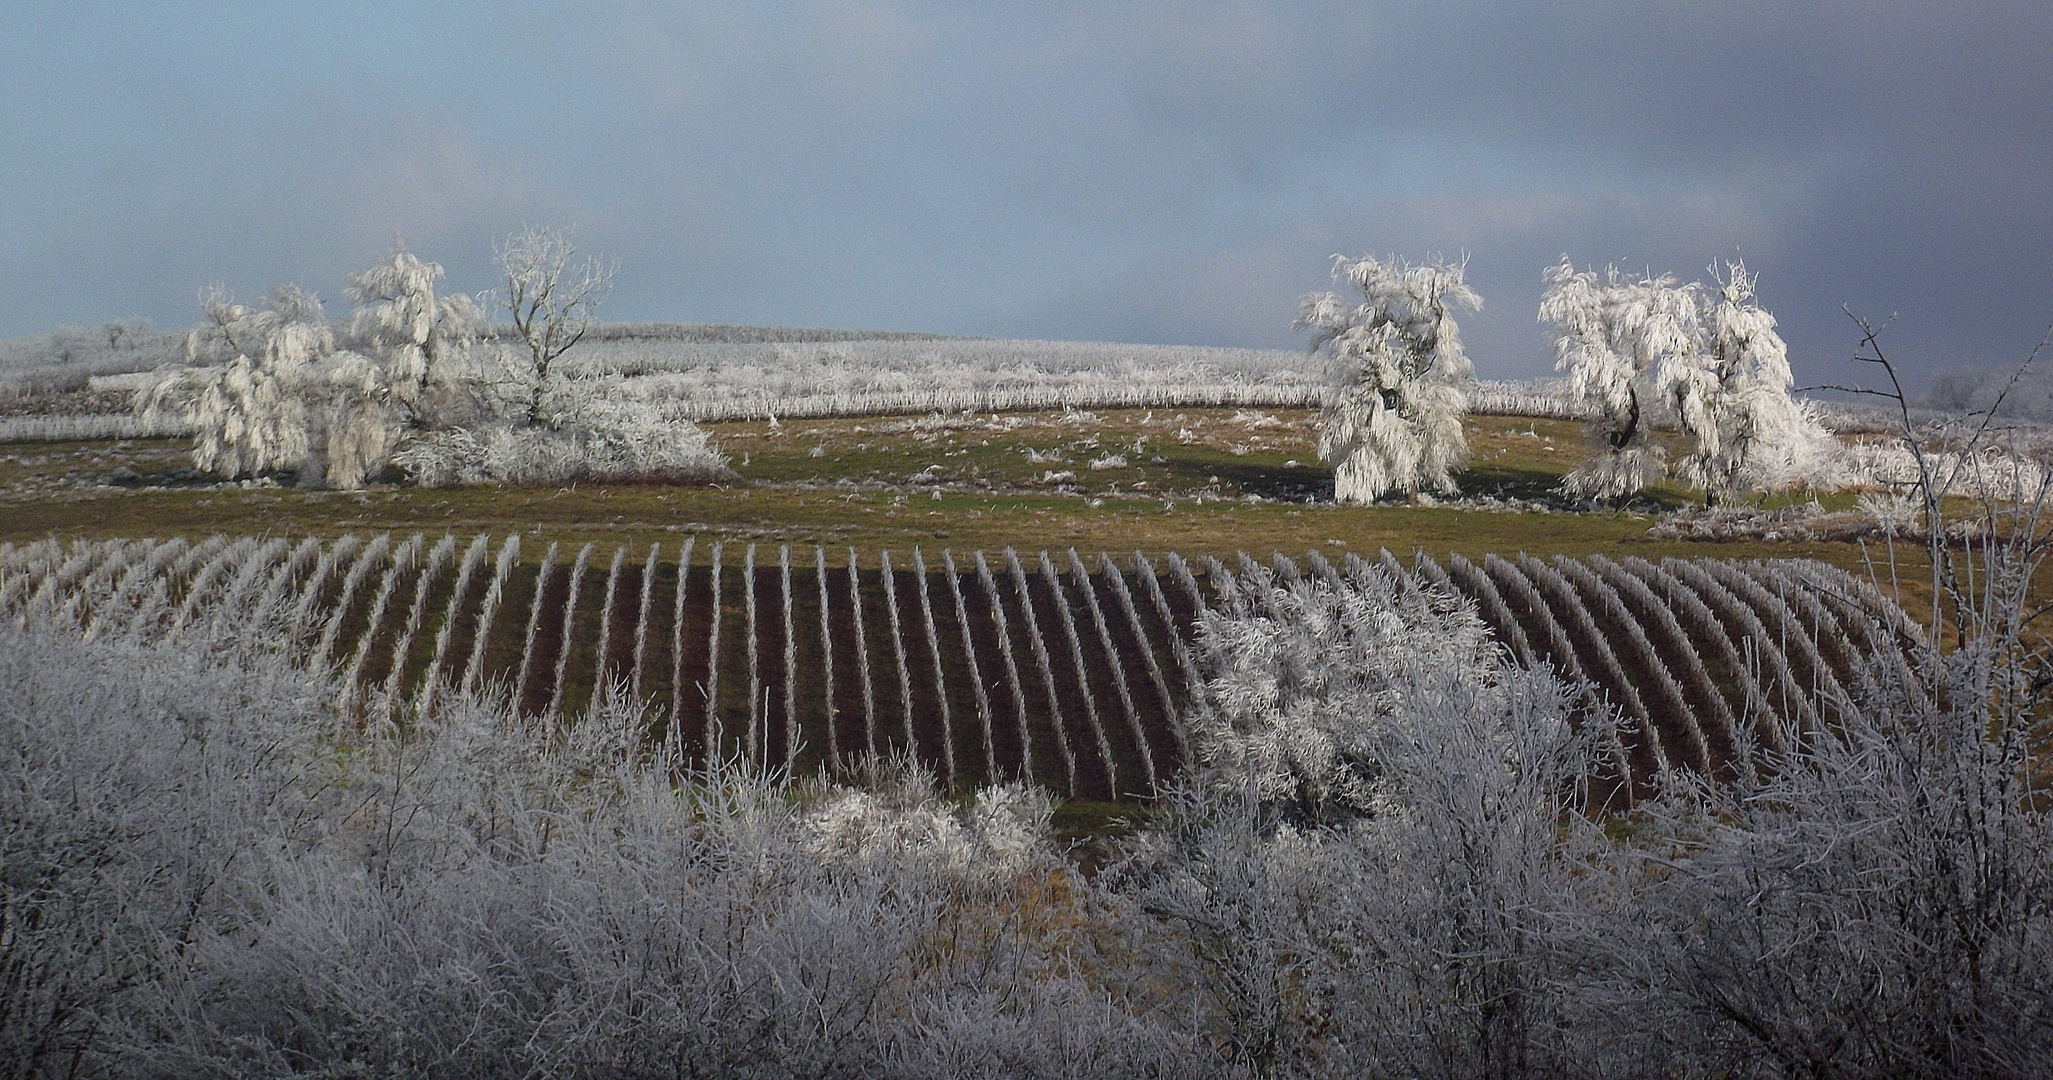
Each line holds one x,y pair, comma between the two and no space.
1070,672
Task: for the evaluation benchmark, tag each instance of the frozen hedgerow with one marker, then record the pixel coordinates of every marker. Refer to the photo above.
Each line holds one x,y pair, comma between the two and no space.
1398,369
196,882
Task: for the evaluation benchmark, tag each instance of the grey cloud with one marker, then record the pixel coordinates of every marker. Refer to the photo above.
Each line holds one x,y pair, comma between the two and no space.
1160,171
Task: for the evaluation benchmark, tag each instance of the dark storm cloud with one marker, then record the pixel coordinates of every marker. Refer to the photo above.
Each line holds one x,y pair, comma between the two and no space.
1142,171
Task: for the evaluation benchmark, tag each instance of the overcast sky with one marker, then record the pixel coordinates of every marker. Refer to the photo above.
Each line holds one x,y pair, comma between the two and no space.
1153,172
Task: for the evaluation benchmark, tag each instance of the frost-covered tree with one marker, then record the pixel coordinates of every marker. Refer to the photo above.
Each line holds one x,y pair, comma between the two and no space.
554,300
1732,398
1398,367
558,426
412,386
269,388
548,424
418,336
266,388
1613,334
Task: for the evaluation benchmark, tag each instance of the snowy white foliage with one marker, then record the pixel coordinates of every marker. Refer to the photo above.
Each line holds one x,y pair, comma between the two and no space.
897,817
266,388
1398,369
269,388
69,357
418,336
1746,432
1708,360
1896,872
1303,678
1612,334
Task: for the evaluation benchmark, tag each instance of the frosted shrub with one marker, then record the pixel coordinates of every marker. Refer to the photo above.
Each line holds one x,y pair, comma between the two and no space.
1895,515
1894,869
1368,866
1301,680
599,440
1397,369
131,781
899,818
543,424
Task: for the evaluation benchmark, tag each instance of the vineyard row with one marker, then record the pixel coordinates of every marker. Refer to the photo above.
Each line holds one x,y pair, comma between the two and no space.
1074,674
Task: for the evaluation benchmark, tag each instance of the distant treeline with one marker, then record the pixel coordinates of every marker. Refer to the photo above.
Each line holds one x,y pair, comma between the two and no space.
1975,389
733,334
68,354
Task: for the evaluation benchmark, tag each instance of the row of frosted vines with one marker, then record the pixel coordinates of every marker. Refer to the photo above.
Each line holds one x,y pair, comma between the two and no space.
1069,673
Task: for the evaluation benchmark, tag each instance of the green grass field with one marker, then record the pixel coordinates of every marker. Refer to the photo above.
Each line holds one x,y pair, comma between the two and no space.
1197,481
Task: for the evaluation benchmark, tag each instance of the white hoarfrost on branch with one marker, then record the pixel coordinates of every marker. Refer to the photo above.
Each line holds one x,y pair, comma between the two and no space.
1612,334
266,389
421,339
1746,432
554,303
269,389
550,426
1398,371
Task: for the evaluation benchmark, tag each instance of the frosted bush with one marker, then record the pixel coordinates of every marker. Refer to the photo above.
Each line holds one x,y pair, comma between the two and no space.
596,440
1895,515
1302,680
1370,866
902,820
132,782
1872,907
